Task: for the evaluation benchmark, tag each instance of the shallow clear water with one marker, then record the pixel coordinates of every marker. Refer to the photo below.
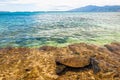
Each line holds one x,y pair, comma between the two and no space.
58,28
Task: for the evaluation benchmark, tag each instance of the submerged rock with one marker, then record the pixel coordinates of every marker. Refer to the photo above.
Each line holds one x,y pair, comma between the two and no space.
74,62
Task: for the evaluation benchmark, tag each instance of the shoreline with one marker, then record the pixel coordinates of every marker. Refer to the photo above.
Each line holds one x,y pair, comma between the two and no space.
63,44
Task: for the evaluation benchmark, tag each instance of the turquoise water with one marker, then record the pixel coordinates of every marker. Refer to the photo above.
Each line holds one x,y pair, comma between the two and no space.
58,28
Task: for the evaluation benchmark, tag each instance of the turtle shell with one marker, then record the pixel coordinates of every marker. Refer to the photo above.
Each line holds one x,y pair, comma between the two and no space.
73,61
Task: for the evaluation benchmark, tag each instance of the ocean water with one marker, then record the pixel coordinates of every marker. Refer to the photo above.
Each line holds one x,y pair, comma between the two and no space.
58,28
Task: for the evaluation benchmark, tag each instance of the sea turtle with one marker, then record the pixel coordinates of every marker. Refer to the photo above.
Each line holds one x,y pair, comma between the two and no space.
76,61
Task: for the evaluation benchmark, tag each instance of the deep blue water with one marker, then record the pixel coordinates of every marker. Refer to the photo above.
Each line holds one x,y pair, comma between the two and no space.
34,29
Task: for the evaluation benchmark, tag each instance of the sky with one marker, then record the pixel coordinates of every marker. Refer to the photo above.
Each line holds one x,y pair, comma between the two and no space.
51,5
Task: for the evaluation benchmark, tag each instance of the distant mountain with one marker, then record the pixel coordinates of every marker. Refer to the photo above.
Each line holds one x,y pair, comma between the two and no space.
92,8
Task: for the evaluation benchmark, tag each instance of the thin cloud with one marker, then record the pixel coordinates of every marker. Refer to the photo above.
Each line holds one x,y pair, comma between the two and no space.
53,4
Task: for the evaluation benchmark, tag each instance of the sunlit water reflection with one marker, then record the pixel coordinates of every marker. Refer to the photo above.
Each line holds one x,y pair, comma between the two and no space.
58,29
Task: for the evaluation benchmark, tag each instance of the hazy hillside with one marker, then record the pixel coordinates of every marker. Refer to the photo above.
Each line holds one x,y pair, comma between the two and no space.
92,8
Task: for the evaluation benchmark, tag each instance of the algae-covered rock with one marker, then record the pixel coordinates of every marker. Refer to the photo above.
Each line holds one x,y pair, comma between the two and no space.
33,65
74,62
